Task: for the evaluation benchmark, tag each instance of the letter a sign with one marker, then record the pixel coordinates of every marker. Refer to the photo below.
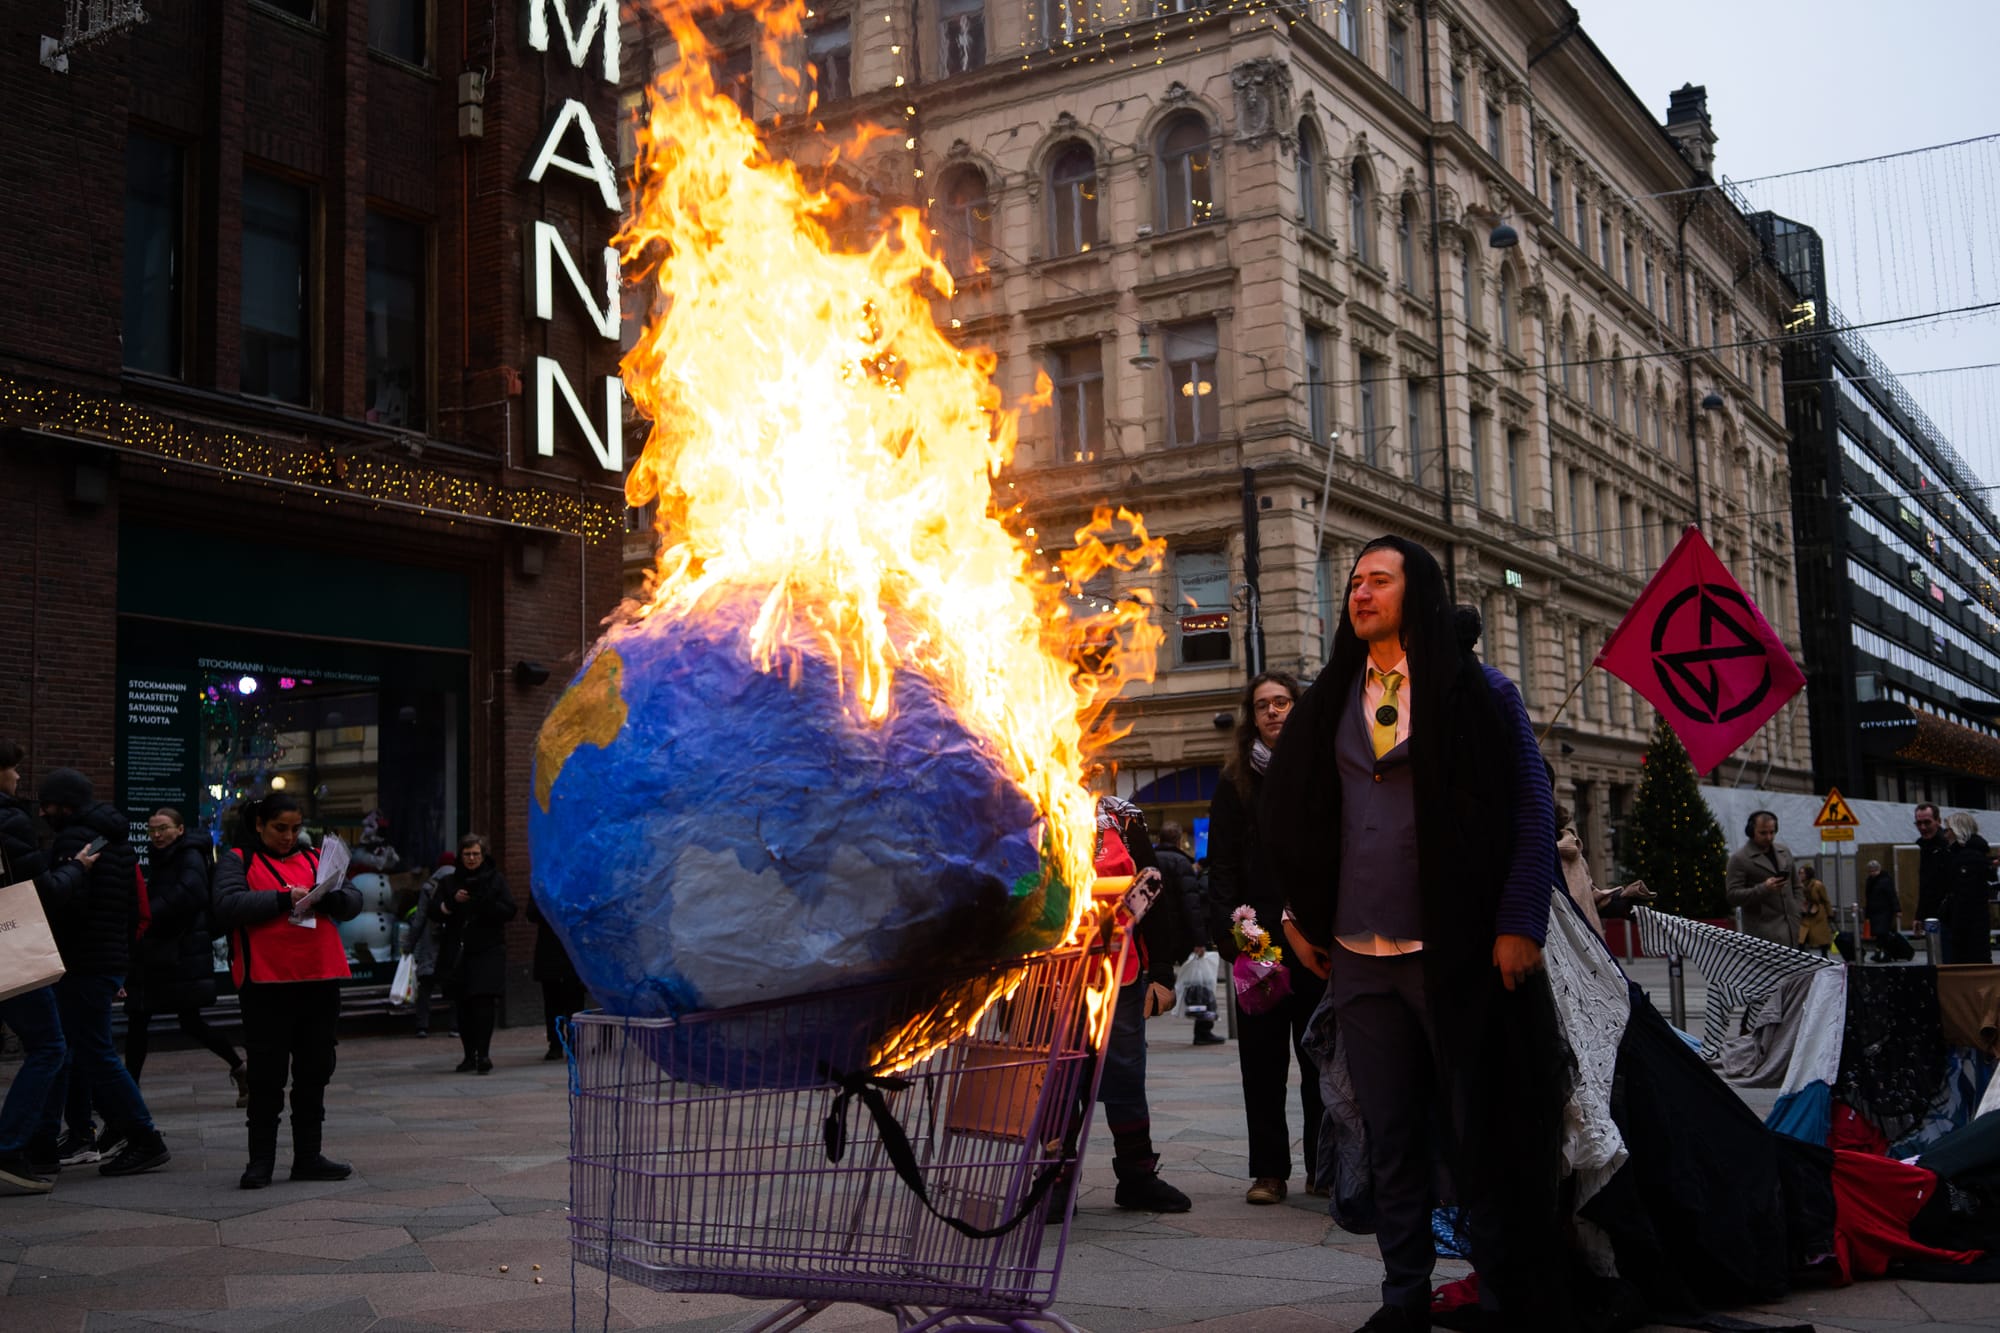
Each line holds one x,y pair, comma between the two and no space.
1836,819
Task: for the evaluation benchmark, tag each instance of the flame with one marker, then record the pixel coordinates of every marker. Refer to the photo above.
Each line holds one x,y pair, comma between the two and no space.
817,441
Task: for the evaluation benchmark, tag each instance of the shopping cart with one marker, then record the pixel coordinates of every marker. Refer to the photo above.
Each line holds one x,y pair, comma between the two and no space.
752,1152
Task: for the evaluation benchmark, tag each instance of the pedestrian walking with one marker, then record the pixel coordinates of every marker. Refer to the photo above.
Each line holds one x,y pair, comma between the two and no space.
27,1159
1967,934
562,989
1267,1043
1759,880
288,965
93,927
474,907
1883,906
1815,912
1408,814
173,969
421,934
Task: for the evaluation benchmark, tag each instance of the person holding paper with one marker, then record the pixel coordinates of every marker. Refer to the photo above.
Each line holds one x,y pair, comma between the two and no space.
286,957
25,1165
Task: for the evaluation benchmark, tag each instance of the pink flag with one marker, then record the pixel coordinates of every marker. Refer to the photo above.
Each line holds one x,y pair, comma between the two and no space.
1703,654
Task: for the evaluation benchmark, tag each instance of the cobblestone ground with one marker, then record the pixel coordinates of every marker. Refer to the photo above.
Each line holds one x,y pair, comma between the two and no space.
459,1177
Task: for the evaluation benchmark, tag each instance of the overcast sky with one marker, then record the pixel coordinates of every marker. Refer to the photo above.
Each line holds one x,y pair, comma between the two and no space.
1806,83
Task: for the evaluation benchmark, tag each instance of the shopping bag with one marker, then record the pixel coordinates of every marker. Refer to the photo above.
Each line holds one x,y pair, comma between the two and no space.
1259,986
28,956
1194,986
403,988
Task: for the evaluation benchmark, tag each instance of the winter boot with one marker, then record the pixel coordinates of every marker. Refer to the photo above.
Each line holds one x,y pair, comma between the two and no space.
308,1162
1140,1188
263,1158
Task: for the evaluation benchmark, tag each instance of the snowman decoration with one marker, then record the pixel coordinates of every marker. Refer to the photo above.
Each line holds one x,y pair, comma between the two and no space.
371,936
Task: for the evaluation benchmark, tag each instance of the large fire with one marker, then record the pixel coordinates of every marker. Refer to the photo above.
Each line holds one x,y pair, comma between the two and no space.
818,440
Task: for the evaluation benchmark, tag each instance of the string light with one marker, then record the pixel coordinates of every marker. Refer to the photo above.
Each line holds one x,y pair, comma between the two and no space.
89,419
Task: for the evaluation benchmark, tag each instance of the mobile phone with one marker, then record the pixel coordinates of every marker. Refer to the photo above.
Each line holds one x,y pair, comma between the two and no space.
97,845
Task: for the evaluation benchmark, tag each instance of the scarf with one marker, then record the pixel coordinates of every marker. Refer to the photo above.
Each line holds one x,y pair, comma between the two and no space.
1260,755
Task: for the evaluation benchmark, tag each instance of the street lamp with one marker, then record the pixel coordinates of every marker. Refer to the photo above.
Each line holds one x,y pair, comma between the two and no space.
1502,237
1145,360
1711,401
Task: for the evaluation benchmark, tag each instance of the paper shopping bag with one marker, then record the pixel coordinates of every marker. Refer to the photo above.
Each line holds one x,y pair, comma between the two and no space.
28,957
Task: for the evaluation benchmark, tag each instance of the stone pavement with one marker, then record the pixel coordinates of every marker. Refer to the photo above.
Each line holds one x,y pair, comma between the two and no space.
459,1195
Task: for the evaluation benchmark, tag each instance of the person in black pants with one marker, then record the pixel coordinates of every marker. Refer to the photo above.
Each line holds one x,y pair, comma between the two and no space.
1265,1043
173,965
563,992
288,964
474,907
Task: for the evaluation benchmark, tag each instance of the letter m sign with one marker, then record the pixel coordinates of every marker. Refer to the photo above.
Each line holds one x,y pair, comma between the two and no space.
577,37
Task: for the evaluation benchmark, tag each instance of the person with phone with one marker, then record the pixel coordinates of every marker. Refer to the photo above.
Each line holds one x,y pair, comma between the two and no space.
93,910
288,971
1759,880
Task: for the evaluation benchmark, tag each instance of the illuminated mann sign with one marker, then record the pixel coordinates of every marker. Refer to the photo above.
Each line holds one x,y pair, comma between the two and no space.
572,144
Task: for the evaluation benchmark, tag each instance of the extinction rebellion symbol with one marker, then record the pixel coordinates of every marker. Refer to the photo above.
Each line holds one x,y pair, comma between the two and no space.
1728,672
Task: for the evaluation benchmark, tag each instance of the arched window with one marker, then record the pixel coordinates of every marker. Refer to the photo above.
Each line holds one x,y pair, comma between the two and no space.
962,220
1617,390
1073,201
1349,20
1308,176
1187,175
1564,359
1659,424
1590,357
1406,245
1470,288
1507,339
1360,213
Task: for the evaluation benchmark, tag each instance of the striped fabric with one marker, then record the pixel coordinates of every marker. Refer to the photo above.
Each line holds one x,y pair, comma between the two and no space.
1739,968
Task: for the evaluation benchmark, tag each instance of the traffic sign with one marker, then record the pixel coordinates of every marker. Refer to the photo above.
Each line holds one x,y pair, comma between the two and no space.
1836,814
1836,833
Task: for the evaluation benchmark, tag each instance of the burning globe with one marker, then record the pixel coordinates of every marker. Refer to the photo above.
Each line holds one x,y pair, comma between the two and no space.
844,735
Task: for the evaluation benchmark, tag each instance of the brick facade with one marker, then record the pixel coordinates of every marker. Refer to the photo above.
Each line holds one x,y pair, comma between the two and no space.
244,86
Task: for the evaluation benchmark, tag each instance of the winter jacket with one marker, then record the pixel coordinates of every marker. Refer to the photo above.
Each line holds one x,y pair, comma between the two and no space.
1816,918
1933,875
1966,922
21,855
264,945
1177,870
1883,903
472,953
1236,876
174,964
552,962
93,912
420,933
1771,914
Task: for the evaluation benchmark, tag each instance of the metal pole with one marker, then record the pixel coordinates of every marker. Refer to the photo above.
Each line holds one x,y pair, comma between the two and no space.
1677,1000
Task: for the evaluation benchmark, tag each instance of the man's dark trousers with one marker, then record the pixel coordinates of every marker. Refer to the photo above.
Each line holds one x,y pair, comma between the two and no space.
1385,1029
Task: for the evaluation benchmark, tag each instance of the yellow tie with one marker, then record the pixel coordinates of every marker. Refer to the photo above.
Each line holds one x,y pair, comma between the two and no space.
1384,733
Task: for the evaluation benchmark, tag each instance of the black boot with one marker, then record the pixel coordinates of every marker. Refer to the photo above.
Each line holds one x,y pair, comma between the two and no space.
263,1158
308,1162
1140,1188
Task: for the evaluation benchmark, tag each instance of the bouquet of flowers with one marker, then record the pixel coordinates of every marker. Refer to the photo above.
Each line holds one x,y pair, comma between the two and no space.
1259,973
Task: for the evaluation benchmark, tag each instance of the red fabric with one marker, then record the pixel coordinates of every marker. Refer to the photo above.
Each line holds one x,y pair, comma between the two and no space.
1856,1132
1456,1295
145,913
1114,859
1874,1199
278,949
1701,652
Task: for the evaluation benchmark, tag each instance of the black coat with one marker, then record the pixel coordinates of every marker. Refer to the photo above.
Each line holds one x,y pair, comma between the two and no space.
93,914
552,962
472,955
1882,903
20,849
1180,881
174,964
1236,873
1933,875
1966,923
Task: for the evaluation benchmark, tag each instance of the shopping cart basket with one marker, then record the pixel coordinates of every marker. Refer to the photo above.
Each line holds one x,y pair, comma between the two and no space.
740,1152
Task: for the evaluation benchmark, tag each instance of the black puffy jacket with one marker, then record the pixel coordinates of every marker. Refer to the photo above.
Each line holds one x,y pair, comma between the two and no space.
19,848
472,955
93,916
174,966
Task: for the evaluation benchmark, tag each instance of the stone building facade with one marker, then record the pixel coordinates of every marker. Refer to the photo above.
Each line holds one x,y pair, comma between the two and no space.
1250,245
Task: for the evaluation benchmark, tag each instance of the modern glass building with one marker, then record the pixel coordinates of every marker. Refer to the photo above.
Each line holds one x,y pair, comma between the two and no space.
1897,548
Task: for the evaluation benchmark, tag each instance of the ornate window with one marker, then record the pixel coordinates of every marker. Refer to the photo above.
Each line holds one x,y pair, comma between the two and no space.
830,62
1406,247
1507,296
1195,404
963,221
962,34
1361,213
1073,201
1187,173
1308,176
1078,373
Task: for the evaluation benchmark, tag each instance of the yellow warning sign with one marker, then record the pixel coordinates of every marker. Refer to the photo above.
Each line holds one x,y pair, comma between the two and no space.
1836,833
1836,813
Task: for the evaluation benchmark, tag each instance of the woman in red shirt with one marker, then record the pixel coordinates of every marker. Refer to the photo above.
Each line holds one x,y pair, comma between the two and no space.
288,967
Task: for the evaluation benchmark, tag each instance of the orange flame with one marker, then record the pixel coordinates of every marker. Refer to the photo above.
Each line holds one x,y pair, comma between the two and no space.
817,440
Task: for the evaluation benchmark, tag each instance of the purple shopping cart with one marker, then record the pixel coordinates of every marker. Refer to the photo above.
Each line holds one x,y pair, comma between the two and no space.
755,1152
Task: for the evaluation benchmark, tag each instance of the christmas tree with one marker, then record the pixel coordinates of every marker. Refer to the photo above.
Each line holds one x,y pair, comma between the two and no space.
1672,840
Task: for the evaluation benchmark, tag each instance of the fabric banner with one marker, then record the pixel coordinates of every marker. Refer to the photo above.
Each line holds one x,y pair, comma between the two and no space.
28,956
1701,652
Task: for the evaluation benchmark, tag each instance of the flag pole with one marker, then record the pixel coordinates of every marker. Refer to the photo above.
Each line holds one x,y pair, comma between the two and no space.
1565,703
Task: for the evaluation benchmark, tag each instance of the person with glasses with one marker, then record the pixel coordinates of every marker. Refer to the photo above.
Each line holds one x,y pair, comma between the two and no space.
173,968
1265,1043
288,963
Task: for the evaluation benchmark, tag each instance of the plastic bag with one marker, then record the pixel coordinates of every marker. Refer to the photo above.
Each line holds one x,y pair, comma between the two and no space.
1194,987
403,989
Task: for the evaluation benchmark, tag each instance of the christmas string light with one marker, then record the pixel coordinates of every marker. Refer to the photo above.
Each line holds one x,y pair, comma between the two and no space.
114,422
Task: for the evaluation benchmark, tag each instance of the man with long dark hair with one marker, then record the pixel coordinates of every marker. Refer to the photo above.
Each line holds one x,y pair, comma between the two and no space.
1408,813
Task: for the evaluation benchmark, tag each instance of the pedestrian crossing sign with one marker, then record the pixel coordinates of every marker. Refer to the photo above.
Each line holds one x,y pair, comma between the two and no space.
1836,813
